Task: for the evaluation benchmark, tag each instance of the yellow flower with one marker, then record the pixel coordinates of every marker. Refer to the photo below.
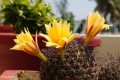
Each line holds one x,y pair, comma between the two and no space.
59,35
95,23
25,42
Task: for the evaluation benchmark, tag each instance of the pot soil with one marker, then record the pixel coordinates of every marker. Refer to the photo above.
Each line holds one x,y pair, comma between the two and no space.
27,75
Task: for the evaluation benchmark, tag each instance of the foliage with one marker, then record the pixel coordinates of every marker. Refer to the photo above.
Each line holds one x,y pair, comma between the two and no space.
62,6
64,14
80,27
110,9
23,13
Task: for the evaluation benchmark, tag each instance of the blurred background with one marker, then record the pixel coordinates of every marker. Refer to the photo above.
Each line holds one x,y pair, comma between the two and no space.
76,12
35,13
79,9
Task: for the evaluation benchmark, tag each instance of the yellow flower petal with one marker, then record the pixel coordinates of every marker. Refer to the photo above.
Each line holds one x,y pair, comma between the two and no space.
48,29
59,34
106,26
72,37
95,23
26,43
19,38
32,48
16,41
49,44
62,42
27,38
46,37
16,47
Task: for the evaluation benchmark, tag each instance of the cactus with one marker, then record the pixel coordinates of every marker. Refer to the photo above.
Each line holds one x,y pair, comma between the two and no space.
110,70
77,65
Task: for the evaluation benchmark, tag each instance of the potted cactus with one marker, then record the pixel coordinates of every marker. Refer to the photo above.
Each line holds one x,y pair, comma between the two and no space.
71,60
21,14
66,58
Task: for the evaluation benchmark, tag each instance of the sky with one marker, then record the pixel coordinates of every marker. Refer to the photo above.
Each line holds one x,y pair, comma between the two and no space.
80,8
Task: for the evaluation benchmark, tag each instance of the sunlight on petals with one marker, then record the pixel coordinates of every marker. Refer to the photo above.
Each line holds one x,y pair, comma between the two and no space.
58,35
95,23
26,43
49,44
16,47
58,31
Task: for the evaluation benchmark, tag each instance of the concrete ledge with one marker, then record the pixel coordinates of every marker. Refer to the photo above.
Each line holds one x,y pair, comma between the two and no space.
109,44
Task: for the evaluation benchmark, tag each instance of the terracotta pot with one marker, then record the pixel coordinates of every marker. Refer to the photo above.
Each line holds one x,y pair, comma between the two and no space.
6,29
96,41
9,59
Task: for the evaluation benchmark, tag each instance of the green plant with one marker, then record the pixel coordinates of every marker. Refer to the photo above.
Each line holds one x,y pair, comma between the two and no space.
80,27
64,14
23,13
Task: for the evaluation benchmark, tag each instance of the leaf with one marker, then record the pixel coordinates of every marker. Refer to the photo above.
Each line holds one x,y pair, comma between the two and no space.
21,13
5,2
38,24
41,6
10,8
22,2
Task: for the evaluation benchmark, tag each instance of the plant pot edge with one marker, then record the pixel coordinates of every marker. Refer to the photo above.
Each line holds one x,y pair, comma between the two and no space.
13,74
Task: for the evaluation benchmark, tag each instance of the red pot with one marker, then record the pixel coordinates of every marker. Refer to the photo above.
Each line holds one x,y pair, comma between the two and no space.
9,59
19,60
96,41
6,29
